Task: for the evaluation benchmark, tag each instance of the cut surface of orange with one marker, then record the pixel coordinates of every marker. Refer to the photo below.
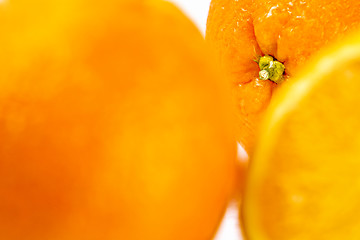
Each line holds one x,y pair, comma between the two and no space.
291,31
304,181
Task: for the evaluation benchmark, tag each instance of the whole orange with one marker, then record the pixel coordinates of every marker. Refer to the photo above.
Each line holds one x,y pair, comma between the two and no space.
114,123
241,31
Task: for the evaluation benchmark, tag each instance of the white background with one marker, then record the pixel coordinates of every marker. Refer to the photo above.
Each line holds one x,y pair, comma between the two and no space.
197,11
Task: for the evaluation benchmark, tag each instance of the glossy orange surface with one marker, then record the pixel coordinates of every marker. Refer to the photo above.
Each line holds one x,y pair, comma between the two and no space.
291,31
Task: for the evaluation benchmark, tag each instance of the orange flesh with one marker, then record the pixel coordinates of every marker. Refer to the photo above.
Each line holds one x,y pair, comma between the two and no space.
291,31
307,187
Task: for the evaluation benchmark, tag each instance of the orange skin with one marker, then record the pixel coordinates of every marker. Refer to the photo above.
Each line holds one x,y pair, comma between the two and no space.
303,178
114,123
291,31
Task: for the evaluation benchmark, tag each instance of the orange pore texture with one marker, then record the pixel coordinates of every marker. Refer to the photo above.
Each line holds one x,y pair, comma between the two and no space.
290,30
304,181
114,123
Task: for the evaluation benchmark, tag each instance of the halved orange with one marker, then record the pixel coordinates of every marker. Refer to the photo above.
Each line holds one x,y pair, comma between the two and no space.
304,181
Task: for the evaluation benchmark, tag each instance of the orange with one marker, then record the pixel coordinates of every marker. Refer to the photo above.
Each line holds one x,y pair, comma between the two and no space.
114,123
291,31
303,181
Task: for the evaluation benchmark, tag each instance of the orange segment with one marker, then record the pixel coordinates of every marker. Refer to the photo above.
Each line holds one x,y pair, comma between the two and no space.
290,31
303,180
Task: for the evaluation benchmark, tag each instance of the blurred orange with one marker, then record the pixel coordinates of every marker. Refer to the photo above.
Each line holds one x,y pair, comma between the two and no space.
290,31
114,123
